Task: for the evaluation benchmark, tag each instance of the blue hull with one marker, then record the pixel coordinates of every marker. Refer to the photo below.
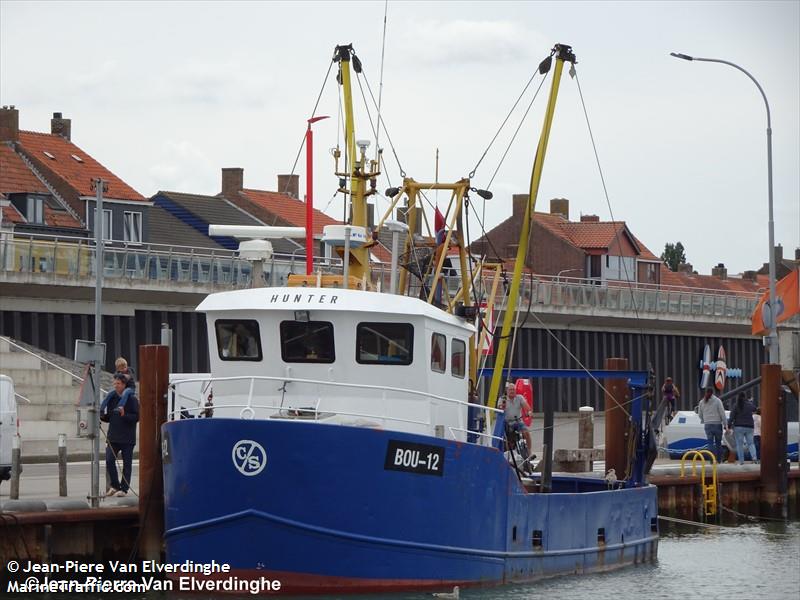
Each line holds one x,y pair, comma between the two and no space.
331,510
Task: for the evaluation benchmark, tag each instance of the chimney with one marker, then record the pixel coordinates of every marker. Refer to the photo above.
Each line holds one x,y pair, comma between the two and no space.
719,271
590,219
749,275
61,126
797,253
232,181
519,204
685,268
560,206
9,124
778,253
289,184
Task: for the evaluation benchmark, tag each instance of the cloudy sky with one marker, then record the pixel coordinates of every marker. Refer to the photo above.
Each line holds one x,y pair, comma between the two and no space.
165,94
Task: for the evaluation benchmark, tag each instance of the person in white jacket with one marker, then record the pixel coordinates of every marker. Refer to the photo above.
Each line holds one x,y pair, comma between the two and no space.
712,416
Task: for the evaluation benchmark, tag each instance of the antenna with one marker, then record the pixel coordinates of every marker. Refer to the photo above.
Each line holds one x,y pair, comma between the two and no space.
256,247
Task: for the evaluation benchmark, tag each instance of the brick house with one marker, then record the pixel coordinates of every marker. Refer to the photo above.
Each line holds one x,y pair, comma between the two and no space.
47,182
589,248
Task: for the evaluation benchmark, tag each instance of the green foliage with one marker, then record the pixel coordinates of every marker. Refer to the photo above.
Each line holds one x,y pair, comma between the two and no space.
673,255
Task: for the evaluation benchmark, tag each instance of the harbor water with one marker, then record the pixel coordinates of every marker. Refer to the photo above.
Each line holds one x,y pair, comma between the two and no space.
752,561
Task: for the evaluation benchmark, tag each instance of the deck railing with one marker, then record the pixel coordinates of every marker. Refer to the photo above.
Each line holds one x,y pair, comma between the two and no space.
287,409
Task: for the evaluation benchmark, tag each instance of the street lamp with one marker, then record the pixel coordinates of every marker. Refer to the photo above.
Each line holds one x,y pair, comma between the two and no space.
772,336
558,275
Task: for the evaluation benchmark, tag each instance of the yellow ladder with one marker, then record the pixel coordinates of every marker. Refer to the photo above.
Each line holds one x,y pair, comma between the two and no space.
709,490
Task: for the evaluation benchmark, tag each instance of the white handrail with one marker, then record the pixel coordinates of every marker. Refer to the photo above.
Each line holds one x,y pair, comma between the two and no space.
44,360
335,384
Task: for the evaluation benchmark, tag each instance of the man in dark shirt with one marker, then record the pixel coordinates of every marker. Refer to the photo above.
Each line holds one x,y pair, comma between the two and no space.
121,418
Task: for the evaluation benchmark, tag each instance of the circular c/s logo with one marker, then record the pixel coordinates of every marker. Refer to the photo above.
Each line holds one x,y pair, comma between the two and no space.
249,457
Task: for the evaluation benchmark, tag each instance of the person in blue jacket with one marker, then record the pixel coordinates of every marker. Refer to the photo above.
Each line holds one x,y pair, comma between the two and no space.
120,409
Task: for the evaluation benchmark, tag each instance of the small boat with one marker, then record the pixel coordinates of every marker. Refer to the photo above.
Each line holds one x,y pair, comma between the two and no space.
347,450
685,432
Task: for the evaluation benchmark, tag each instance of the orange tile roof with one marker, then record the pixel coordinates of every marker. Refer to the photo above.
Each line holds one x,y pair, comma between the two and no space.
594,235
15,176
12,215
78,174
59,218
710,282
289,209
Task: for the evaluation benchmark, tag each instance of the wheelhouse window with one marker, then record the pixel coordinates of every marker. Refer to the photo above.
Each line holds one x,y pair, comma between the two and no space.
438,353
238,339
458,358
384,343
307,342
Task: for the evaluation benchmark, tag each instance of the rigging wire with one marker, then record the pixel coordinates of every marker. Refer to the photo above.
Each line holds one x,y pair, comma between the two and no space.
640,338
380,83
385,129
514,137
313,114
508,116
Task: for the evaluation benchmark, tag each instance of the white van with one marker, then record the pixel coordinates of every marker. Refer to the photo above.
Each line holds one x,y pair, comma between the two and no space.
9,424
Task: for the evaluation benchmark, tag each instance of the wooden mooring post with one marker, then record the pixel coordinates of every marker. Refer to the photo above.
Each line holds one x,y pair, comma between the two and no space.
774,465
154,369
617,399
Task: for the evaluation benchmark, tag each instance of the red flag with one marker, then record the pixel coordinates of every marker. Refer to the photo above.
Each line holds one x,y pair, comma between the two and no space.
439,225
787,300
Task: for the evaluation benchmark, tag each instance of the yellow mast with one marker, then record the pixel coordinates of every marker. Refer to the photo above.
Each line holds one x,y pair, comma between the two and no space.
358,169
562,54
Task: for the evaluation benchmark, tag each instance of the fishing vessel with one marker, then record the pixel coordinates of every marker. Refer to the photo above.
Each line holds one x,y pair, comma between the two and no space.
346,448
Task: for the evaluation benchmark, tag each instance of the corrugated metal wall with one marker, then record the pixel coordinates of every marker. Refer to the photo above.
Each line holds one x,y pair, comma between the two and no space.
676,356
57,333
673,355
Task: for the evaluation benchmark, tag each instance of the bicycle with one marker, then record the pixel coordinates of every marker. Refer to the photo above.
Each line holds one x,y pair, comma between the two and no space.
516,445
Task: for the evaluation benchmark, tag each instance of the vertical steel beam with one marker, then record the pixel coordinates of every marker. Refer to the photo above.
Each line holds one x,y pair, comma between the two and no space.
774,466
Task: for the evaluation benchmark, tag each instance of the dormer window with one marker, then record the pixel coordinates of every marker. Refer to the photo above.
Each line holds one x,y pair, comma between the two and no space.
35,210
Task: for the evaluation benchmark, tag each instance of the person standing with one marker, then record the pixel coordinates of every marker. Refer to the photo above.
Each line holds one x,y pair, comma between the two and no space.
741,420
712,416
121,439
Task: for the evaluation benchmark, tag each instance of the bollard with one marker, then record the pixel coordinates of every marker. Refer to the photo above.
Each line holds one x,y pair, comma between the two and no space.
15,468
154,370
774,466
62,464
586,430
617,427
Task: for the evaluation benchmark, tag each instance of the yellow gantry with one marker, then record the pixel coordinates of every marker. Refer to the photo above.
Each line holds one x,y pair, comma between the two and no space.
562,54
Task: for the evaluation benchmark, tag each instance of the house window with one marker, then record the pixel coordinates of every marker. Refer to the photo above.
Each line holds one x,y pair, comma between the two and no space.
35,210
458,358
384,343
133,227
438,353
238,339
307,342
620,268
107,231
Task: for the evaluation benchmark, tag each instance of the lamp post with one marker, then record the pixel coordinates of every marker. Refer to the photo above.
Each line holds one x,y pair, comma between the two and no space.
558,275
772,336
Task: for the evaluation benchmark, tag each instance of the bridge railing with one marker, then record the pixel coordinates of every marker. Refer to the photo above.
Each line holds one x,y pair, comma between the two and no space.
74,257
558,293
